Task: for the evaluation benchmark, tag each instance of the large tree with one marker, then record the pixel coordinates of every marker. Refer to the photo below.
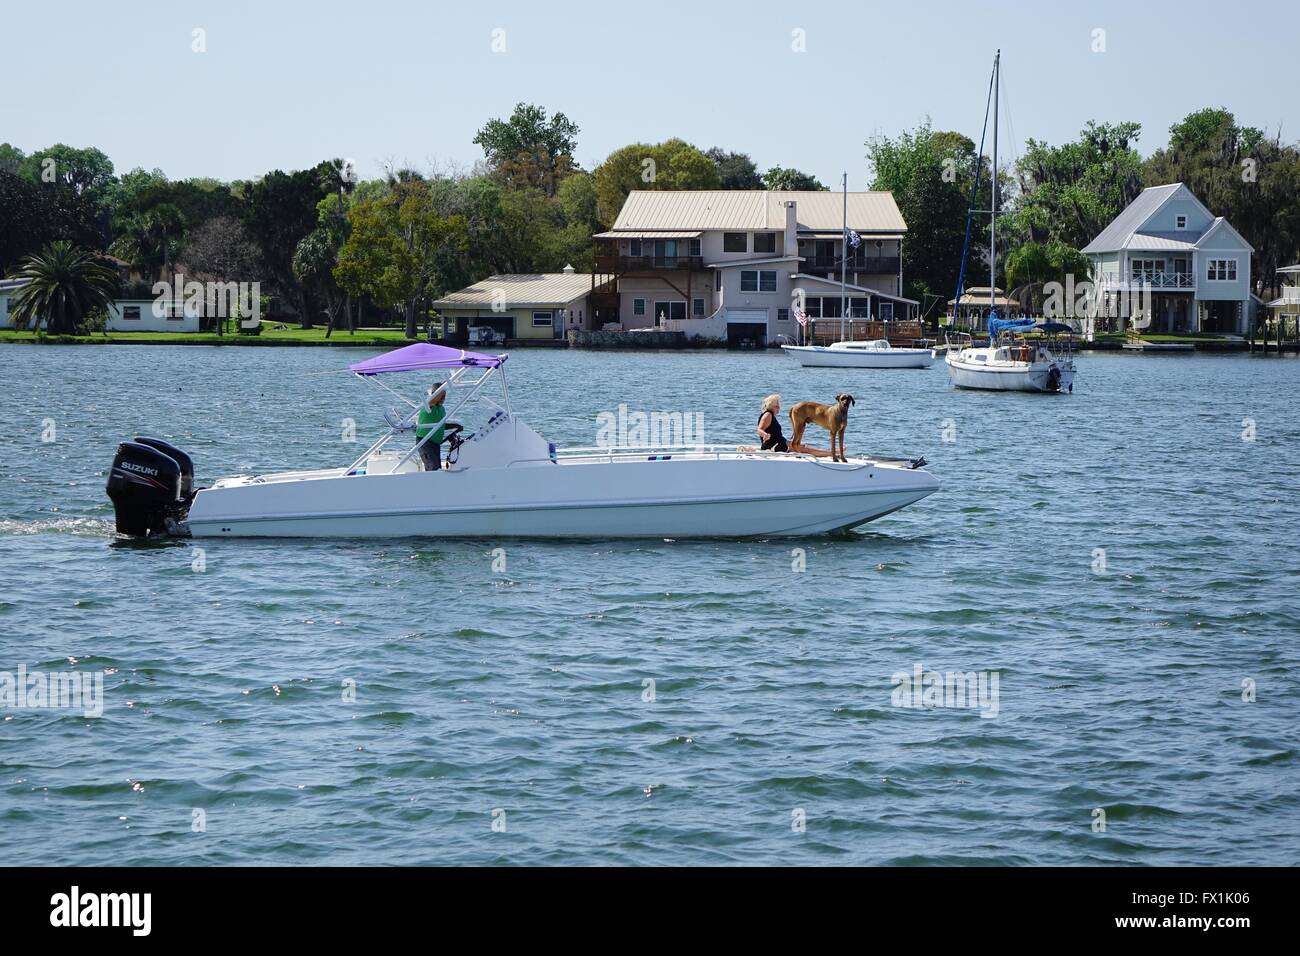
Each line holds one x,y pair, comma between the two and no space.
1070,193
780,177
33,214
672,164
394,246
735,170
86,170
530,150
931,175
280,210
1242,174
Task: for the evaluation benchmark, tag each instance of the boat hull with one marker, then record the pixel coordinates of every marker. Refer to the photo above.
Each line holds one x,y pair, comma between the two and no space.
1008,379
811,356
656,496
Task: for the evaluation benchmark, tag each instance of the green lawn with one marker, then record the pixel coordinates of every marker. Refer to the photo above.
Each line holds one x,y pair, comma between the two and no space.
270,335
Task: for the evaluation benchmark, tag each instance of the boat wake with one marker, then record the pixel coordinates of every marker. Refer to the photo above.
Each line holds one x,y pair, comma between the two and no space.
84,527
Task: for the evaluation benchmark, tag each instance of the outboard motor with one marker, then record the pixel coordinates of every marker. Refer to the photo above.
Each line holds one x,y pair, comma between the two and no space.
182,459
150,485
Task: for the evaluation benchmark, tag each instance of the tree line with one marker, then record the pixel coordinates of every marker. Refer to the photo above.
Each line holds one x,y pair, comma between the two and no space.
1058,198
325,243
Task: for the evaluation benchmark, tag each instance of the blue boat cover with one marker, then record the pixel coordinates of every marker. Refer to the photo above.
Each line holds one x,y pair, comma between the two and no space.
998,325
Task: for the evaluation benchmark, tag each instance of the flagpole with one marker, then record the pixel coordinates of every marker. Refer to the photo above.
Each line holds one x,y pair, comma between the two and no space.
844,258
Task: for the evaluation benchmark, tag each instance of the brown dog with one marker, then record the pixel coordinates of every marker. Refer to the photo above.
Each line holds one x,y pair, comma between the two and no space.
833,418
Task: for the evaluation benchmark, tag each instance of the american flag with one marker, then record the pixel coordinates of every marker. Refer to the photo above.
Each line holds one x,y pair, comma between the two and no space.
801,316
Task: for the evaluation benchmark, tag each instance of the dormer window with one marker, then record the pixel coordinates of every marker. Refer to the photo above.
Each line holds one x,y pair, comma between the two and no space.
1180,222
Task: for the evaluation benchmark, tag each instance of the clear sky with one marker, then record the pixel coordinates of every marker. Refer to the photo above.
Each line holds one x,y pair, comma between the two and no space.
285,84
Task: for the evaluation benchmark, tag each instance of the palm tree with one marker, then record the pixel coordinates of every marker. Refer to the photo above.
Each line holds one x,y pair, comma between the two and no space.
149,240
339,177
65,283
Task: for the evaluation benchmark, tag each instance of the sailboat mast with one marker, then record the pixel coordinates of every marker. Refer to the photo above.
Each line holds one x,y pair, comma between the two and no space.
993,219
844,257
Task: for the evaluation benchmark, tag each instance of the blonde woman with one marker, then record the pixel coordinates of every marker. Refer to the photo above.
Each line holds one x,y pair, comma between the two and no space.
769,428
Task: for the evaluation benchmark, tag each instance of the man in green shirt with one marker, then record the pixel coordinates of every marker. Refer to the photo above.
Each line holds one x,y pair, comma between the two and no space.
429,420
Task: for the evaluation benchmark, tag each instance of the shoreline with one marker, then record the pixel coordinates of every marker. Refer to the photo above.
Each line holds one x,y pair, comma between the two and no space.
303,338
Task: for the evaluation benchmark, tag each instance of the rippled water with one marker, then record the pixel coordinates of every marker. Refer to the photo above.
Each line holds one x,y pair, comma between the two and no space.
526,691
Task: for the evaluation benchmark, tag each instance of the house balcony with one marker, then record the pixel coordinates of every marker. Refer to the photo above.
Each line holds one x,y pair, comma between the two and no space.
1158,281
630,265
874,265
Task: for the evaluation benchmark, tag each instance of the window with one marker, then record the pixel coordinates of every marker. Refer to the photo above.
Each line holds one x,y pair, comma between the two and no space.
1180,222
813,306
130,312
735,242
695,247
638,306
832,307
886,312
634,248
824,253
765,242
541,319
1222,270
767,280
666,249
749,280
697,307
859,308
669,310
1146,268
783,315
717,281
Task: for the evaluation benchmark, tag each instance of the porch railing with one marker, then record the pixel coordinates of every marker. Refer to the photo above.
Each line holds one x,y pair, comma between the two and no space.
883,265
609,265
1157,280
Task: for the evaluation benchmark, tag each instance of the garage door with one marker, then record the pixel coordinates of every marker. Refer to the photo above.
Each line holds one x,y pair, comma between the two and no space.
747,316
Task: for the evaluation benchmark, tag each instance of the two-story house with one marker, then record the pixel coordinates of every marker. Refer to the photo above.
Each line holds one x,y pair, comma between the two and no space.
733,264
1195,264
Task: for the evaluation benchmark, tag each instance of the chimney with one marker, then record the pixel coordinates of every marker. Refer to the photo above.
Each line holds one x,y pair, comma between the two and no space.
568,270
791,229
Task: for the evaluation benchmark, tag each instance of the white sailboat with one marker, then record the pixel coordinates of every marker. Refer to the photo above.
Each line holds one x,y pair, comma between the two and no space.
1010,361
847,353
876,353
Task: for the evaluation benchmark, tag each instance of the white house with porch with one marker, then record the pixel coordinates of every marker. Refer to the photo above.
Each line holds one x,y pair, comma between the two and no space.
1195,264
732,264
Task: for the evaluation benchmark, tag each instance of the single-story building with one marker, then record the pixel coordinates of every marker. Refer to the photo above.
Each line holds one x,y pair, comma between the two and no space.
520,306
124,315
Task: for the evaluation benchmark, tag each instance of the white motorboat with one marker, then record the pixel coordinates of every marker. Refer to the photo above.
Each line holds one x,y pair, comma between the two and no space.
876,353
1011,361
505,480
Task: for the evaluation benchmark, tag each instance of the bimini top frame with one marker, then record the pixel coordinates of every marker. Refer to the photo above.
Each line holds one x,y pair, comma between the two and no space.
422,357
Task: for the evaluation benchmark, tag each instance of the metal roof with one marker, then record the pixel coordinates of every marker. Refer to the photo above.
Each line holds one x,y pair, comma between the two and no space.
1159,241
520,291
747,209
1125,230
649,234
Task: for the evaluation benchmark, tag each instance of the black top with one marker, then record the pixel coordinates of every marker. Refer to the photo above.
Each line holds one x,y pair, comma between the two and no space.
775,439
